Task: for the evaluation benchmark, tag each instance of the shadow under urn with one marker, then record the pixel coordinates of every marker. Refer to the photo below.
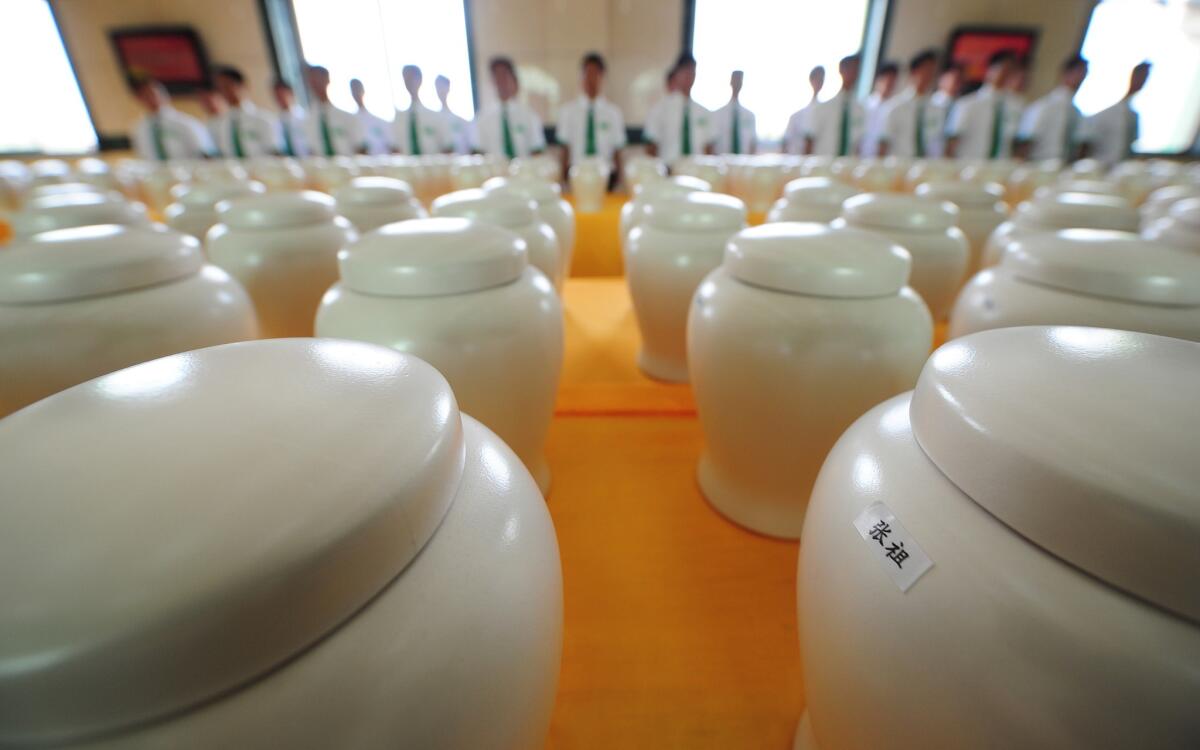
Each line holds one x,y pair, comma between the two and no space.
802,329
680,242
283,249
927,229
1085,277
1008,555
79,303
461,295
341,559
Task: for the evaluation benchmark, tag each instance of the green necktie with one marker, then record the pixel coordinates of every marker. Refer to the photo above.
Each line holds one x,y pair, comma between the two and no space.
237,136
589,148
997,128
289,148
737,133
1069,136
506,132
326,139
156,132
412,130
920,144
844,134
686,148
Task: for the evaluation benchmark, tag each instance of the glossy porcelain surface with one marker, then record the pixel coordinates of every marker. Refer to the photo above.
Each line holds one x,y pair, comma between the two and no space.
1180,228
370,202
74,209
981,208
1065,211
589,183
460,295
412,550
283,248
633,213
1060,523
777,341
927,229
681,241
551,208
1159,203
811,199
1085,277
79,303
195,208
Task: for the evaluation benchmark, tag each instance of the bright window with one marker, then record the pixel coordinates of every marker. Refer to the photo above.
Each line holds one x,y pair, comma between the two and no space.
373,39
776,44
1123,33
43,108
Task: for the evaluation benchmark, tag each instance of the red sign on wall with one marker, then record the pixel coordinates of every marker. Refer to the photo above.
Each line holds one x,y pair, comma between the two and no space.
174,56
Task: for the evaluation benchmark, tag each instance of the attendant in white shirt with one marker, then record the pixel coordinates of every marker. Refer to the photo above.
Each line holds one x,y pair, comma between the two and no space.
376,131
214,108
165,133
418,130
457,130
835,127
1017,84
591,127
797,127
911,125
1050,126
677,126
293,128
508,128
983,123
244,131
940,104
1109,134
876,107
331,131
736,125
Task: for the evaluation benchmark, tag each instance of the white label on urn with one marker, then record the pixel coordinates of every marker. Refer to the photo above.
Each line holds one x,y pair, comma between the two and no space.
892,545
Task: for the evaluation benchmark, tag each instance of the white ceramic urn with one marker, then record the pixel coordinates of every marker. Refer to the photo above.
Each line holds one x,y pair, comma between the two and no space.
589,184
283,248
82,302
1180,228
278,173
681,241
1085,277
515,213
63,211
293,543
195,208
634,210
370,202
551,208
802,329
461,295
928,229
1007,557
1159,203
1065,211
640,168
981,208
816,199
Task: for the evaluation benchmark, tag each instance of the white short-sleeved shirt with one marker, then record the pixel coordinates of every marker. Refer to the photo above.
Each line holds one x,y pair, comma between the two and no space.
345,131
524,127
825,125
183,136
747,125
259,132
608,123
940,104
1110,133
797,129
431,130
1049,124
900,125
973,119
664,126
875,110
376,132
293,130
457,131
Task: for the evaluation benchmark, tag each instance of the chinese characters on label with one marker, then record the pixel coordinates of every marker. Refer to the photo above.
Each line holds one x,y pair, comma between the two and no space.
892,545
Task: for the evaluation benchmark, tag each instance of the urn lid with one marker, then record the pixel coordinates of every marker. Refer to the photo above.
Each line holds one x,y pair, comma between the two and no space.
1088,210
91,261
1103,263
504,209
818,260
286,208
696,212
896,211
538,190
64,188
660,187
1187,212
373,191
76,210
208,194
427,257
821,191
222,511
1082,441
974,195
